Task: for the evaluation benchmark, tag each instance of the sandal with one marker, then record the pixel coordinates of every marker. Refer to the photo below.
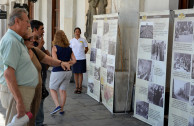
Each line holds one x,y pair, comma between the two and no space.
79,91
76,91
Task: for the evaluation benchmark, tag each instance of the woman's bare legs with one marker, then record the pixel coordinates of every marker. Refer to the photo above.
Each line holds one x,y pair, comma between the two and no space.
80,80
63,98
55,97
76,77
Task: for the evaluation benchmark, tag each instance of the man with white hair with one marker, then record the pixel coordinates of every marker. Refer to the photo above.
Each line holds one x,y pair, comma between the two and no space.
18,75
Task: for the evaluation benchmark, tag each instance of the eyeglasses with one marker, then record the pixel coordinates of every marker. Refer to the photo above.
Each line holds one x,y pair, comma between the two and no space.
29,39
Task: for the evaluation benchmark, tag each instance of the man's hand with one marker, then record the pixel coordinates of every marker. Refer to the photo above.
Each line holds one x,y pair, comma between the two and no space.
40,43
20,110
65,65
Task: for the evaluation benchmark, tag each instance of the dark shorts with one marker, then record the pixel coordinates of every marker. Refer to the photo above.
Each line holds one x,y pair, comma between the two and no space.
79,66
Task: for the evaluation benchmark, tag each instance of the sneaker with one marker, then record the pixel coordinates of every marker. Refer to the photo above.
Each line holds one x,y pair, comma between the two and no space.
56,110
62,113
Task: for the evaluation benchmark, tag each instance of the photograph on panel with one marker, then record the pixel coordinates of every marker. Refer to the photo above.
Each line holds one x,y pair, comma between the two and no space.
144,69
181,90
142,108
191,98
182,62
93,55
112,48
97,73
192,74
158,50
94,27
110,74
183,31
104,60
156,94
106,28
146,30
98,42
191,121
91,87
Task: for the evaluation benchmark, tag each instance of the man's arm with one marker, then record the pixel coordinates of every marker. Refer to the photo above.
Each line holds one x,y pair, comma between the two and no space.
10,78
47,52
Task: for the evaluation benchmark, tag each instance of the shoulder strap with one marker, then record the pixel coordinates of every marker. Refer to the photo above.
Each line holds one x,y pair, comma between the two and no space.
35,53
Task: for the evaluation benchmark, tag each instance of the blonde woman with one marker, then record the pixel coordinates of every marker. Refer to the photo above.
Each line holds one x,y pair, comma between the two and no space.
60,78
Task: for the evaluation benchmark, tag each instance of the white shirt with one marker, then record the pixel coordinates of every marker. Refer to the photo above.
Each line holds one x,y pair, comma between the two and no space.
78,47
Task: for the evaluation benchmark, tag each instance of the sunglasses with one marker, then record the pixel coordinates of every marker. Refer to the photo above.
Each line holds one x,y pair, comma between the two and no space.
29,39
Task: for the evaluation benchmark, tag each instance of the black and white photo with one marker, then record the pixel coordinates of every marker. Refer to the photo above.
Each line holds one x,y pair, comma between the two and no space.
146,30
97,73
191,121
191,98
91,87
106,28
110,74
104,60
158,50
192,74
94,27
93,55
144,69
142,108
156,94
181,90
182,62
98,42
183,31
112,48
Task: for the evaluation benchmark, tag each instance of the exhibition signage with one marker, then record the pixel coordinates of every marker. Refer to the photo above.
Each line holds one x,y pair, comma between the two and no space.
102,59
181,107
151,67
3,14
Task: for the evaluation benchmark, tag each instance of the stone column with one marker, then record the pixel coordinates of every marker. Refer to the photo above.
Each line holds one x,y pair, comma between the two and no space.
67,16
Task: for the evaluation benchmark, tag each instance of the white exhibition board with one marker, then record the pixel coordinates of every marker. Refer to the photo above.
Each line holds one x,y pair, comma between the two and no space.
181,107
151,67
102,59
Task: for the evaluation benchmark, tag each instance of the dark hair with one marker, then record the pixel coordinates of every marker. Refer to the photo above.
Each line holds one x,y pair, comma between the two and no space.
78,29
35,24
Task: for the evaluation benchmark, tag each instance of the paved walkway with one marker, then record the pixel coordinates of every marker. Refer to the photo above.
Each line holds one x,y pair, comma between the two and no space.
82,110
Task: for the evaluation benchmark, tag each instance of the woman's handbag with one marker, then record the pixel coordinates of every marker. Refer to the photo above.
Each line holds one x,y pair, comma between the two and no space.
45,93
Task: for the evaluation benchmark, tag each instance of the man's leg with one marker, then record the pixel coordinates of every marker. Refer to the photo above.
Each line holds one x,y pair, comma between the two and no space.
40,115
27,100
11,111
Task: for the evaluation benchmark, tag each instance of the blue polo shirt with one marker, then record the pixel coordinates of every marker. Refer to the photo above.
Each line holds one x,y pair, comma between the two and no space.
14,53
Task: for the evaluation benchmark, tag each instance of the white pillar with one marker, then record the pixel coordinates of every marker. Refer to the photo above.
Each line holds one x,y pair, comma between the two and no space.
67,16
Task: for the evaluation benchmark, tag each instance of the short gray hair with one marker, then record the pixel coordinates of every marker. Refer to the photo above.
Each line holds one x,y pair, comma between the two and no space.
16,13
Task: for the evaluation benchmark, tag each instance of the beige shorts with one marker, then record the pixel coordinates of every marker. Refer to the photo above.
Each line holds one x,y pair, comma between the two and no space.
59,80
